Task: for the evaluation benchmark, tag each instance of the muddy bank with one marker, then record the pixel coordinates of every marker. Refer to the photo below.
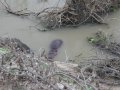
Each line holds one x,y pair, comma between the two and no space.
23,70
27,71
106,69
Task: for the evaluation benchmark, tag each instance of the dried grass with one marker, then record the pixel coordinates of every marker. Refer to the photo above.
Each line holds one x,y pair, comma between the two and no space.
30,71
76,12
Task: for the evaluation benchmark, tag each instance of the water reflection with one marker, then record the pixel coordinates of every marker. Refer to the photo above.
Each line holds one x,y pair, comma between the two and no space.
17,4
34,5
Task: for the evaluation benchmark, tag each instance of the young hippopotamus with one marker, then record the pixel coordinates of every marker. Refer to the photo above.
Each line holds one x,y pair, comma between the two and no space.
54,46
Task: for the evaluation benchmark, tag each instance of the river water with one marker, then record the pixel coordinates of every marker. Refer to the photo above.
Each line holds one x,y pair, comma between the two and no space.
74,38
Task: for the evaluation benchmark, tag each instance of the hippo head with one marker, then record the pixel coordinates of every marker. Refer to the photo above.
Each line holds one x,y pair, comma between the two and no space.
56,44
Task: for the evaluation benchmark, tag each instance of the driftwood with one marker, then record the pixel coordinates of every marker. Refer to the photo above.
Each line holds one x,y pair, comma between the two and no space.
76,12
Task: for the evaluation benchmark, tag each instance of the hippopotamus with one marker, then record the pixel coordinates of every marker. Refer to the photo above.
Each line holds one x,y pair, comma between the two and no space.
54,46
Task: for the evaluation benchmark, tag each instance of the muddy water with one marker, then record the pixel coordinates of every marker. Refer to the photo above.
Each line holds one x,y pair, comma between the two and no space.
74,38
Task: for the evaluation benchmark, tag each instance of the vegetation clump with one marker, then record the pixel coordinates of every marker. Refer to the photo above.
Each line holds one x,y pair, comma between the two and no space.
72,14
107,70
105,43
76,12
104,71
98,39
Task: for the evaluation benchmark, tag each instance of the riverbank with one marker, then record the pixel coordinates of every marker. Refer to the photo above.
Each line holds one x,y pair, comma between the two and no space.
77,12
74,41
23,69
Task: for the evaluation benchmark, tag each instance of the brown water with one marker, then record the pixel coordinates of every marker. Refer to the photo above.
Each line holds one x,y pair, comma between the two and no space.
74,38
